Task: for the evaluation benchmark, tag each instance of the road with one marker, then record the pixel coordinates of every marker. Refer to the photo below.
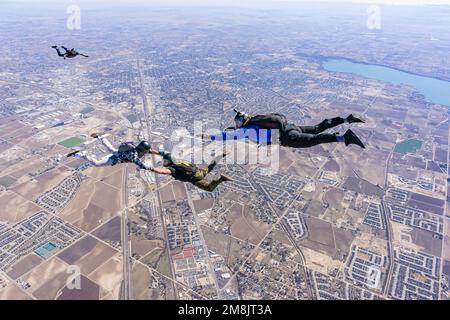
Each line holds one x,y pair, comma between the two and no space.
157,182
126,249
202,239
389,235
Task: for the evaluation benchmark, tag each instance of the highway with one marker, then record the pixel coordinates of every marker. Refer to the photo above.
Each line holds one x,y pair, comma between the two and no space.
126,249
202,239
157,182
389,235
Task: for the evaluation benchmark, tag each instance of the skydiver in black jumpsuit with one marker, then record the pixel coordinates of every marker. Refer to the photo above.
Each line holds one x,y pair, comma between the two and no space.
72,53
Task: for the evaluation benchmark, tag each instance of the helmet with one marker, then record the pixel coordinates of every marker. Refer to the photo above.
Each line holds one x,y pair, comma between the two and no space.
241,117
143,146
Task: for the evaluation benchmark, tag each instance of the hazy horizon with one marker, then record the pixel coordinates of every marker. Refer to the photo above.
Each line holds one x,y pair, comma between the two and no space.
234,3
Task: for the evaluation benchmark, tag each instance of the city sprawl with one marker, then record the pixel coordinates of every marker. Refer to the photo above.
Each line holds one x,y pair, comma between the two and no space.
331,223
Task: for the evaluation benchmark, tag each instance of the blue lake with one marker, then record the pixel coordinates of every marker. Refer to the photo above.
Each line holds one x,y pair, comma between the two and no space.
434,90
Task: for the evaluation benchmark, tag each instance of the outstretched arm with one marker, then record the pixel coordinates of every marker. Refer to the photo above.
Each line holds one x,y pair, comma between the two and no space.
238,134
162,170
142,165
83,55
227,134
166,155
155,152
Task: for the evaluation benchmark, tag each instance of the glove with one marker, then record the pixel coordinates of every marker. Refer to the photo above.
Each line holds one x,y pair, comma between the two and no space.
148,167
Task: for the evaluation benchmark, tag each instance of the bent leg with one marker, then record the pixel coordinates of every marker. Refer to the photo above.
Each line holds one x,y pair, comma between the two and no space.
108,144
59,52
298,139
206,185
324,125
105,161
214,163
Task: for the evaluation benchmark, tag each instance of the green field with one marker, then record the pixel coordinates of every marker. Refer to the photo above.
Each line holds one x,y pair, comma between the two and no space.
87,110
71,142
408,146
132,118
7,181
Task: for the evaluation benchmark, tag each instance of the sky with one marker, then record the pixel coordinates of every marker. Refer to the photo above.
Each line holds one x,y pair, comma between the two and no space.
394,2
33,6
237,2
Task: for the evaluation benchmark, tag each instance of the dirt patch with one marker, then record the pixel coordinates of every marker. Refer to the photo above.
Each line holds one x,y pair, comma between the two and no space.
244,226
24,265
13,292
216,241
141,280
110,231
427,241
15,208
109,275
88,291
331,165
344,239
115,179
32,189
94,204
203,204
315,208
179,190
88,254
78,250
48,278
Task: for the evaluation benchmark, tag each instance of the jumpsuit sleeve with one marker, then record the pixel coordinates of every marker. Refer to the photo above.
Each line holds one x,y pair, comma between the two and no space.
172,170
251,133
167,156
140,164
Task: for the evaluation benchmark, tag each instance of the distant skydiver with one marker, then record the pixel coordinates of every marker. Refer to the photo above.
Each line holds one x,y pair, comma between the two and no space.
186,171
126,153
72,53
290,135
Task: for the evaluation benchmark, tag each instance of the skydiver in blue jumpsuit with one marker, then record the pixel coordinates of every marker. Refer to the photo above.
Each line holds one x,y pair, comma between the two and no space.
260,129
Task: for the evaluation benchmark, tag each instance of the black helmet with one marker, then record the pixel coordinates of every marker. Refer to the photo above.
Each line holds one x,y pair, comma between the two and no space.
241,116
143,146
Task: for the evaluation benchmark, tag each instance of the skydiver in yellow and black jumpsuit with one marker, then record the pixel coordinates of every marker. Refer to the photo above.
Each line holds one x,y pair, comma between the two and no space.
186,171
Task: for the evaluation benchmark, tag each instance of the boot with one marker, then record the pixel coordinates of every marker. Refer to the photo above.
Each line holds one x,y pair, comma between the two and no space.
72,154
351,138
352,119
226,178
